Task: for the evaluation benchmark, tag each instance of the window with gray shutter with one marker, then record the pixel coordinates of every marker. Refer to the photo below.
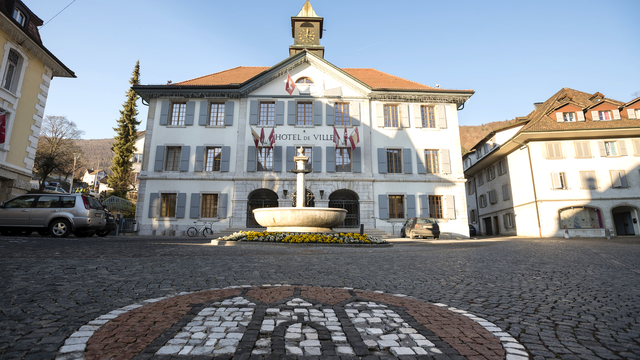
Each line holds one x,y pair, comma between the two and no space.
199,159
411,206
618,178
317,113
222,205
191,111
406,157
442,116
420,157
383,207
330,111
251,159
382,160
228,113
290,153
450,204
492,196
505,193
331,159
164,112
446,161
317,159
184,158
404,115
291,113
224,163
194,206
159,158
154,201
182,204
380,115
202,114
253,112
356,160
277,158
354,111
424,205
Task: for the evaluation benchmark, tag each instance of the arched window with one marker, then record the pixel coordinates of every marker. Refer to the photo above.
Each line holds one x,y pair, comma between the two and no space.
304,80
581,217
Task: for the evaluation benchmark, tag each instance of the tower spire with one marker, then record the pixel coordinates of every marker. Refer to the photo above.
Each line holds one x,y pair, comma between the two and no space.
306,29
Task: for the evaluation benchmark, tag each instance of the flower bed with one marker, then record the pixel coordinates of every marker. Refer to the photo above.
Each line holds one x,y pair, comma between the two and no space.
324,238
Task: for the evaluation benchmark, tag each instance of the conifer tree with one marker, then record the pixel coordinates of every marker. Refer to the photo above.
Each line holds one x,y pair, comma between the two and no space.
124,145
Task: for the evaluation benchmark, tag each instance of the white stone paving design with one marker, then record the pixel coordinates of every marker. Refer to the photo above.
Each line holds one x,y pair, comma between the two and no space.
215,330
384,331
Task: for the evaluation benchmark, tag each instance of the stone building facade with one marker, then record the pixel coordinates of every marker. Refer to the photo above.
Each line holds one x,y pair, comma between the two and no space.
26,71
382,147
569,168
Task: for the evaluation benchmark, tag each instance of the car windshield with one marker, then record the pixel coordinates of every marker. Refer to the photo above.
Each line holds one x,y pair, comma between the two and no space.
425,221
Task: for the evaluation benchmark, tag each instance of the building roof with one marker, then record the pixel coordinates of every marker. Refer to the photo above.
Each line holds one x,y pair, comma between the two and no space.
375,79
542,118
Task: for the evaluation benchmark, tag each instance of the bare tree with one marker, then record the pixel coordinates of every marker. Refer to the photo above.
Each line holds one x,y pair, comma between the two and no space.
635,94
56,147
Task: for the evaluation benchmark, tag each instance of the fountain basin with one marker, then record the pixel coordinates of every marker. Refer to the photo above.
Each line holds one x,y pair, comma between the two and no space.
303,219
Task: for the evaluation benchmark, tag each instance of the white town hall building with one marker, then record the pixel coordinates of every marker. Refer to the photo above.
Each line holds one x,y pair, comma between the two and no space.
380,146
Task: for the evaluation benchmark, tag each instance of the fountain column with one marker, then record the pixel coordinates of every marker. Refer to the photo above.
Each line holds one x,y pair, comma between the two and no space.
301,162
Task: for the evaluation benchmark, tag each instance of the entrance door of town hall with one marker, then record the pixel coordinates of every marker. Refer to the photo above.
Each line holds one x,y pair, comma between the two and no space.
348,200
261,198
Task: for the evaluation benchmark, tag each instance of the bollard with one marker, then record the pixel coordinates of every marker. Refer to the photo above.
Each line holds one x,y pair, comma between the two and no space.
361,229
118,220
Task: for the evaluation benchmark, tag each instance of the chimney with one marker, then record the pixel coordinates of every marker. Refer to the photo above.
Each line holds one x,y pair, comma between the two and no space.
537,105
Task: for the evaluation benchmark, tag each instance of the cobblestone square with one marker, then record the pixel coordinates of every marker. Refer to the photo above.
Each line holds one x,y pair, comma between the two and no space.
512,298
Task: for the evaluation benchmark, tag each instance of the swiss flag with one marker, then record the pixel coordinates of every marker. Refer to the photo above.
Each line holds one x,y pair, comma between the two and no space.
3,126
336,137
262,136
290,85
272,138
345,136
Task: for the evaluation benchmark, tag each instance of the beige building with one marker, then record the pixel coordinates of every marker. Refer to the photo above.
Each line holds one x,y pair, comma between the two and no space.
569,168
27,68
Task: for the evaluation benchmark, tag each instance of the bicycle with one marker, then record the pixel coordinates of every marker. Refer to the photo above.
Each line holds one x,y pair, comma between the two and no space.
205,230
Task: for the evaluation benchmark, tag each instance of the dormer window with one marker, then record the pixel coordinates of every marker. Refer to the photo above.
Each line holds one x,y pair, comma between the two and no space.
569,116
604,115
19,16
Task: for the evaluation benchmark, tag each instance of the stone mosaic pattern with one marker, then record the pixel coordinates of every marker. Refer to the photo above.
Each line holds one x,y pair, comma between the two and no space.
273,322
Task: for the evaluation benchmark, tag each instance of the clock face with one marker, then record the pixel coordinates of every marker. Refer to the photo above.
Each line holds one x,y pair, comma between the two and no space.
306,36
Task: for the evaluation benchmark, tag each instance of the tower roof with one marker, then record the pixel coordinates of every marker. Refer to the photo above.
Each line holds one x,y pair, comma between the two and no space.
307,11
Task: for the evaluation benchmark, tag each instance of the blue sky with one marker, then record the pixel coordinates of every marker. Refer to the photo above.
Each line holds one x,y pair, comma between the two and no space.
512,53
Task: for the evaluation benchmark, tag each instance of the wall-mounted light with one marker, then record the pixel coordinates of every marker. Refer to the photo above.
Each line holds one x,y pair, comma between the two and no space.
285,192
321,194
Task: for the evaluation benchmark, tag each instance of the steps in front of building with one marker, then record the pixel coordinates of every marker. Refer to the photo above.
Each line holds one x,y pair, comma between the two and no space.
370,232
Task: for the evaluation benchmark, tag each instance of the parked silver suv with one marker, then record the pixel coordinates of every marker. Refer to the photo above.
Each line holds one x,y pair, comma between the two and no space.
51,214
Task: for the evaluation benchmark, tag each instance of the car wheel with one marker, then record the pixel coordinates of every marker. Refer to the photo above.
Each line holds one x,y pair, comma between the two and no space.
43,232
411,235
60,228
102,232
402,234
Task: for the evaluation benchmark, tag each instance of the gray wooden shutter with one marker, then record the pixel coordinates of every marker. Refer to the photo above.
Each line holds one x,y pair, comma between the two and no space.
404,115
383,207
623,178
182,204
623,147
290,164
224,158
251,158
154,200
159,158
228,113
603,152
199,159
190,114
204,111
451,206
411,206
194,206
417,116
330,114
354,112
277,158
356,160
446,161
331,159
291,115
406,158
420,161
253,112
184,158
441,112
280,113
505,192
317,113
382,161
424,205
317,159
380,115
164,112
222,205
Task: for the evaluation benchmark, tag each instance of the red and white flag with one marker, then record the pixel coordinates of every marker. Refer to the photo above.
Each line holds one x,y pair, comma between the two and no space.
289,85
262,136
354,139
3,127
345,136
272,138
256,137
336,137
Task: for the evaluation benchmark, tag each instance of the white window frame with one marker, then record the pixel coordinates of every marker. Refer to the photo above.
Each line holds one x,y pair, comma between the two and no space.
559,181
571,116
607,150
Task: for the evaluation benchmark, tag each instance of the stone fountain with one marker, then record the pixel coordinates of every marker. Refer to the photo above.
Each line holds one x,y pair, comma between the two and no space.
300,218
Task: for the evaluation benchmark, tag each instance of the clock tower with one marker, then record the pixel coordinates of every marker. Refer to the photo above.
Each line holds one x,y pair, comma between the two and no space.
306,29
